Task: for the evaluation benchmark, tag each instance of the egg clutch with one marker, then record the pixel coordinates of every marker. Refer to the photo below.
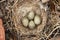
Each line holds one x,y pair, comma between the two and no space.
31,20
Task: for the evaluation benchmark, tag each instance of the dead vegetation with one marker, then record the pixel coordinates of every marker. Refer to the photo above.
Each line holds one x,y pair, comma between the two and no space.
12,12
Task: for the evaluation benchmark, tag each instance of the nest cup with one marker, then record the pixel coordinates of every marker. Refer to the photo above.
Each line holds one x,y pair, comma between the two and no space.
21,10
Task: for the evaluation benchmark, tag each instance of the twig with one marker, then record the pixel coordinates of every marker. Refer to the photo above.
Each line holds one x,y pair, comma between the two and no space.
53,31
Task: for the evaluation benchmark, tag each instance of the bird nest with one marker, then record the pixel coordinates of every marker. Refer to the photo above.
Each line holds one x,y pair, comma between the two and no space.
21,11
